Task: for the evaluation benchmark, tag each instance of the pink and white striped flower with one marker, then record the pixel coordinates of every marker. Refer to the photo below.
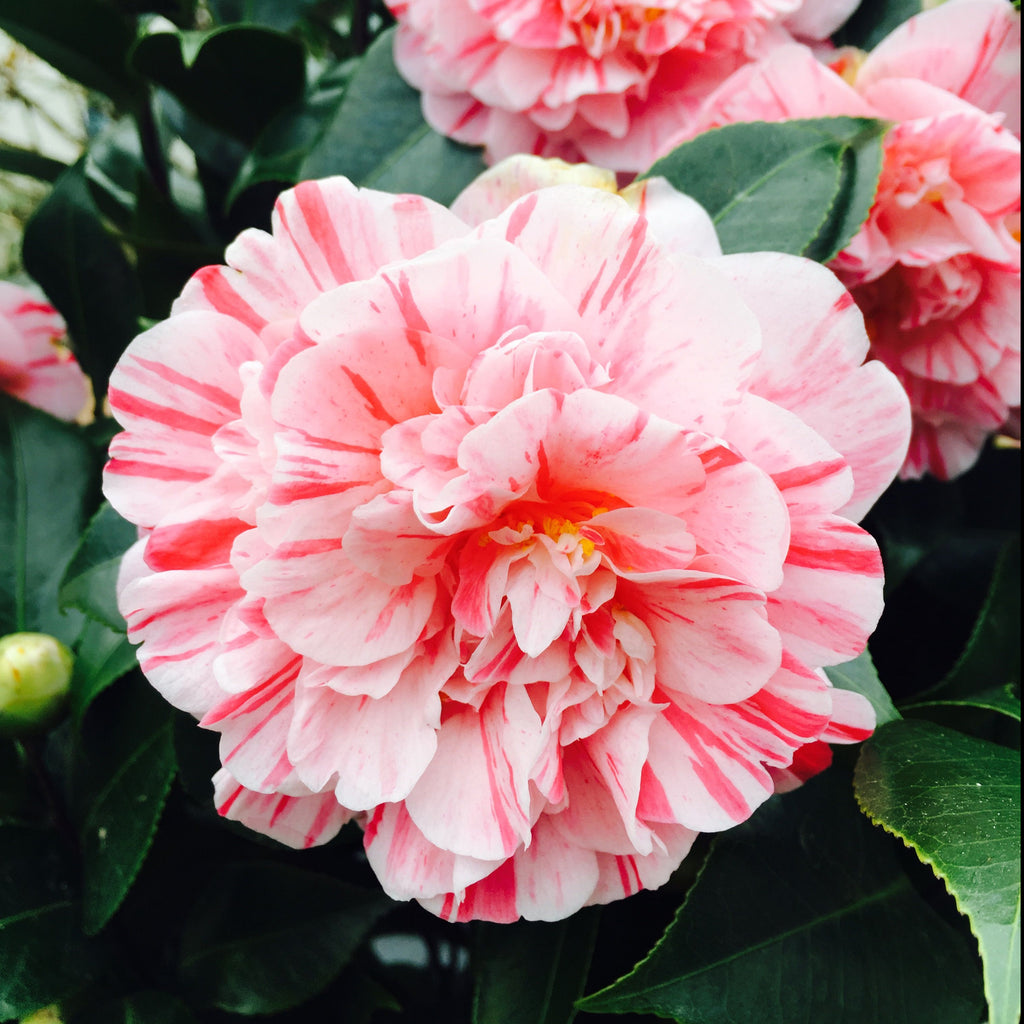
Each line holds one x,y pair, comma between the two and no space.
519,540
936,268
608,81
35,365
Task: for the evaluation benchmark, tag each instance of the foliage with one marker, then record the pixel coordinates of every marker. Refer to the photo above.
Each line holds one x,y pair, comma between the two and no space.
123,897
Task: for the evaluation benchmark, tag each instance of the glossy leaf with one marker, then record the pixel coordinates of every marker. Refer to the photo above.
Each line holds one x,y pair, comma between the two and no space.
860,676
282,147
125,768
276,14
102,656
992,655
90,581
264,937
860,166
84,273
803,914
235,78
532,972
43,956
378,138
40,458
955,800
871,22
84,39
798,187
1003,699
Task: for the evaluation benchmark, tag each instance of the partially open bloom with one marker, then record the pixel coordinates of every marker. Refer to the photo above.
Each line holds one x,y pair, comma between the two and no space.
520,542
35,365
936,268
603,80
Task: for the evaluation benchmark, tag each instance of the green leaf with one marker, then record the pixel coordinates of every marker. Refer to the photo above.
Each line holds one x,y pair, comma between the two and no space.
43,956
859,170
992,655
276,14
84,274
263,937
90,581
41,458
102,656
378,137
1002,699
796,186
84,39
125,768
860,676
28,161
873,21
236,78
800,915
531,972
282,147
955,800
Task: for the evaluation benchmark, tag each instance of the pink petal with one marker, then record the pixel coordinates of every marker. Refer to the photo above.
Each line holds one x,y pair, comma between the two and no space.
642,311
408,865
473,799
174,388
624,875
814,345
830,600
370,750
297,821
970,49
177,616
712,637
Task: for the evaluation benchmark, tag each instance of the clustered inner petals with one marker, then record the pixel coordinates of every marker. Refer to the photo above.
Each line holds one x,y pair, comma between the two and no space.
445,560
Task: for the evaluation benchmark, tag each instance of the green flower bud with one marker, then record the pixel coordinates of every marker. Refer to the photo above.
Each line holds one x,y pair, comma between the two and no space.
35,672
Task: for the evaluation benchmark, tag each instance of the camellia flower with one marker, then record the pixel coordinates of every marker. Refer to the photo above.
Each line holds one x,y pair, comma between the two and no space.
601,80
936,269
35,365
520,542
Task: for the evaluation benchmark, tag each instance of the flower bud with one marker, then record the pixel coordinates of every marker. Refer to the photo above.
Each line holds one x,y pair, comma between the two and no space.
48,1014
35,672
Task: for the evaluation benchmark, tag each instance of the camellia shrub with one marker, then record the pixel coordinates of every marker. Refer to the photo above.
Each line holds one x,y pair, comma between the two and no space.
443,579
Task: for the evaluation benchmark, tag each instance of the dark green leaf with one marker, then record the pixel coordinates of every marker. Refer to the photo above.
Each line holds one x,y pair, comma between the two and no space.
785,187
532,972
102,656
281,149
47,474
874,20
1002,699
125,769
956,801
860,167
378,137
860,676
84,274
84,39
43,956
803,914
276,14
992,655
263,937
236,79
27,161
90,581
